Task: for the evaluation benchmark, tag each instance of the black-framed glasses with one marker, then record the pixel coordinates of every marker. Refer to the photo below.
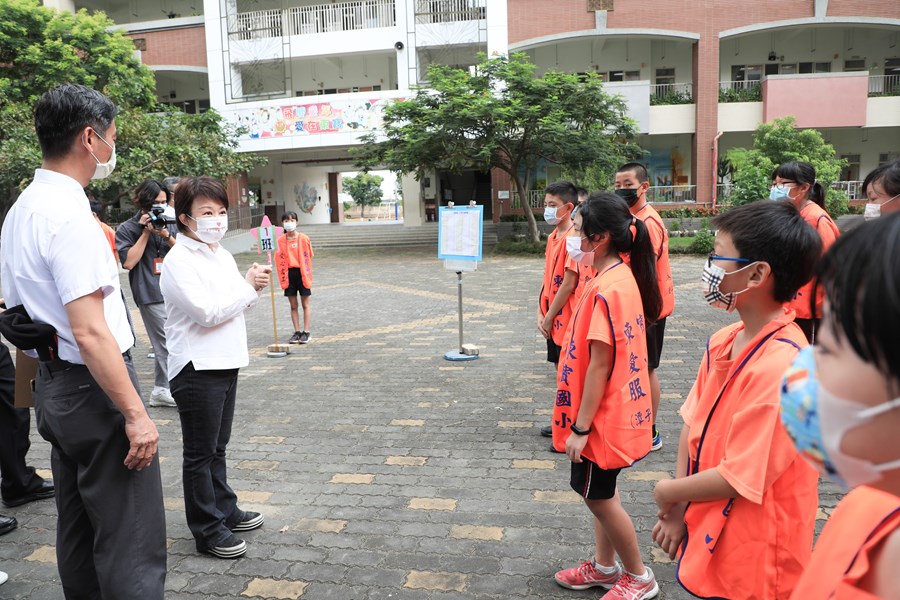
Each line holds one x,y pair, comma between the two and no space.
713,256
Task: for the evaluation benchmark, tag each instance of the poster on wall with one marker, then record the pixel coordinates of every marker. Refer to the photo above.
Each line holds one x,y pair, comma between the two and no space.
340,116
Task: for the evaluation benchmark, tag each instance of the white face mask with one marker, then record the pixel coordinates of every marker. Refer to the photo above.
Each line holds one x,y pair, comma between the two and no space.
290,226
104,170
873,209
210,229
573,247
550,215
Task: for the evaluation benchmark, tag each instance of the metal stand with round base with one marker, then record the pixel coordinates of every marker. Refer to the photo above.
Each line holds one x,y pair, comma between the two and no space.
456,355
277,350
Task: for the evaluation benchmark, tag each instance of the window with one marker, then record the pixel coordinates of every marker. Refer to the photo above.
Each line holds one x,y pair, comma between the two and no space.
746,72
851,171
665,76
892,66
203,105
789,69
815,67
856,64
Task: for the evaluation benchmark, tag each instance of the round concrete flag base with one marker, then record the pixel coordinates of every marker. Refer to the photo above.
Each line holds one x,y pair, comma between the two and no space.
278,350
456,355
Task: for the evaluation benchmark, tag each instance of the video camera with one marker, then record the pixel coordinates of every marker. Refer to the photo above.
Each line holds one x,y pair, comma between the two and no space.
157,217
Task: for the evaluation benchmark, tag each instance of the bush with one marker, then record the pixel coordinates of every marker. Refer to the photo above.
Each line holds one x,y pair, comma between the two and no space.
689,213
703,242
512,218
516,245
348,206
675,226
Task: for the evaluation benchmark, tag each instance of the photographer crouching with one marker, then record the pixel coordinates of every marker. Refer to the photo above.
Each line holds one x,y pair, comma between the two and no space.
143,242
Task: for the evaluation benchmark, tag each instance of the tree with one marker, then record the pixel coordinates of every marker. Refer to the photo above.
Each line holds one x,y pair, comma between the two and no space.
780,142
41,48
502,116
365,189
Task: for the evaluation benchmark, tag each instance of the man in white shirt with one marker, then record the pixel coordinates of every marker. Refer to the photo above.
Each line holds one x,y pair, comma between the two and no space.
56,262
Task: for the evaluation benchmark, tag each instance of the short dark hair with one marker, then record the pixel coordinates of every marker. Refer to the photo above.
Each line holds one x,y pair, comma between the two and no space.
888,175
96,207
582,193
289,215
146,192
774,232
62,113
191,188
861,277
639,170
802,173
171,182
565,190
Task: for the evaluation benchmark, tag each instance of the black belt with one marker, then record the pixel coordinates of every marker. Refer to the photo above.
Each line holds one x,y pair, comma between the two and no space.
57,364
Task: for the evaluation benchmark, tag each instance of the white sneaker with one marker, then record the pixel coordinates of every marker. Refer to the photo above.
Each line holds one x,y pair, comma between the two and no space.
161,397
3,577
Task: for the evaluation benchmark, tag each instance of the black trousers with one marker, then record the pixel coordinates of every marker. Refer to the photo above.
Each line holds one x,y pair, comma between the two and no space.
111,528
16,479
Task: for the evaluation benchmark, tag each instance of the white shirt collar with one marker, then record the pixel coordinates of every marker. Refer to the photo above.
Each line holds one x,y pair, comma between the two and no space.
60,180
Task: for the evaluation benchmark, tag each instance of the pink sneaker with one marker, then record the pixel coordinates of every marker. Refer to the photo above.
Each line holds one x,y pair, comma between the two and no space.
629,587
587,576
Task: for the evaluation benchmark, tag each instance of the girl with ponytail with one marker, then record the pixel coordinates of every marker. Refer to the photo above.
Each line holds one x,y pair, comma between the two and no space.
796,183
602,415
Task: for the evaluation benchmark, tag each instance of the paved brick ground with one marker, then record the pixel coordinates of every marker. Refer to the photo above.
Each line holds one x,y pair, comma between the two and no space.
385,471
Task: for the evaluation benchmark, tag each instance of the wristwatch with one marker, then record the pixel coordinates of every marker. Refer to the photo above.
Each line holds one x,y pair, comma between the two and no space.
577,431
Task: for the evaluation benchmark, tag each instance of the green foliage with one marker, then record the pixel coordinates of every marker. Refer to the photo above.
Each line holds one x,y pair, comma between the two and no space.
675,226
515,218
42,48
703,242
520,245
741,94
671,97
365,189
503,117
685,212
780,142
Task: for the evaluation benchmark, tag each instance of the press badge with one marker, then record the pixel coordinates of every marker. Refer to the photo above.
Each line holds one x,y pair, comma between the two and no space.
157,266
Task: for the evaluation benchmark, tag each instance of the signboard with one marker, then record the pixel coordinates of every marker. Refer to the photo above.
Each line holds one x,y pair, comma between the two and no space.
460,232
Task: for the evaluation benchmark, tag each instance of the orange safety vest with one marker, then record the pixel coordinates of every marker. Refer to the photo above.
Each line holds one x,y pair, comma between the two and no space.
659,237
859,524
609,311
296,253
755,545
819,220
554,272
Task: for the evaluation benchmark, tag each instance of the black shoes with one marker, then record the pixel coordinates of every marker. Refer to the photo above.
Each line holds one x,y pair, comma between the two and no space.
45,490
304,337
7,524
547,431
230,547
250,521
295,339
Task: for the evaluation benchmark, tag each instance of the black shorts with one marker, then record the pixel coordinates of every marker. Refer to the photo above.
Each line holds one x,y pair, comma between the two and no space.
655,334
553,351
295,284
591,482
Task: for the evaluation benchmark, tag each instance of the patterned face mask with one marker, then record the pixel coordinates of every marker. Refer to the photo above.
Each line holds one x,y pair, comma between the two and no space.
712,278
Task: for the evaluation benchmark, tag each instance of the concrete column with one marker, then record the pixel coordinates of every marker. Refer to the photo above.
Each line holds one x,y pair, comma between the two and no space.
497,29
413,207
706,102
67,5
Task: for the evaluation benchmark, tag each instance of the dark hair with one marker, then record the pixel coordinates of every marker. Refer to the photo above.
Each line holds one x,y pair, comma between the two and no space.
171,182
191,188
802,173
861,277
145,194
289,215
582,193
603,212
774,232
888,175
62,113
96,207
639,170
564,190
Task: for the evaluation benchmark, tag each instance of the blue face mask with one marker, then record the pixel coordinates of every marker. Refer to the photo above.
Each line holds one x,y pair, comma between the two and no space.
550,215
780,192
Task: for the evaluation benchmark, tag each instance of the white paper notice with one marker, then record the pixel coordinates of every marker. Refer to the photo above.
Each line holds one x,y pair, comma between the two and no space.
460,233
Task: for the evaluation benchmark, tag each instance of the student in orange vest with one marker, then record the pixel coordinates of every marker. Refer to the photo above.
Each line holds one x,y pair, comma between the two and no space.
796,183
554,307
632,183
601,417
881,188
741,512
841,405
293,262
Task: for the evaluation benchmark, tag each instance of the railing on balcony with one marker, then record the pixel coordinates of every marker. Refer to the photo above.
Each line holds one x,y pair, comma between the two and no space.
671,93
740,91
319,18
535,199
659,194
449,11
853,189
884,85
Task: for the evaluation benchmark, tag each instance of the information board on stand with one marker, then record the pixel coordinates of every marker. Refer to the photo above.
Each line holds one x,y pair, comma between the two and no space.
460,237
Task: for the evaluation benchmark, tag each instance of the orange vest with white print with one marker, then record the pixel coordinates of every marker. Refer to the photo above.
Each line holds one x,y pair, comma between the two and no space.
659,237
843,554
294,254
755,545
609,311
554,272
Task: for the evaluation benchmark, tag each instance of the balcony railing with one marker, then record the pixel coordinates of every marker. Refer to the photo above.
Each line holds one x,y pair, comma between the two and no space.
740,91
884,85
671,93
535,199
319,18
449,11
659,194
853,189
